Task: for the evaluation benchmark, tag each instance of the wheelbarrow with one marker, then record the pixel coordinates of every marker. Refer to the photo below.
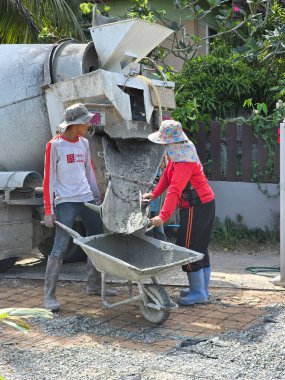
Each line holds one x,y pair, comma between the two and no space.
135,258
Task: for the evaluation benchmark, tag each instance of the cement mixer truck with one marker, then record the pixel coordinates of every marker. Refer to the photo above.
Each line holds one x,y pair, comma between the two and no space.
37,82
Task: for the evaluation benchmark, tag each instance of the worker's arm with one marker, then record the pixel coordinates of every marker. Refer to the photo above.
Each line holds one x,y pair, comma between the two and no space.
49,177
182,172
90,174
162,183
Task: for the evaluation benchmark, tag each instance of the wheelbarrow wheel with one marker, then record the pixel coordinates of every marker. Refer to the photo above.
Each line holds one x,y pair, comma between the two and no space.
153,315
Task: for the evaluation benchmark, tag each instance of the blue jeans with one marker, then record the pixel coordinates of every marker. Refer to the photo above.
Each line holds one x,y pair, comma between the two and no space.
66,213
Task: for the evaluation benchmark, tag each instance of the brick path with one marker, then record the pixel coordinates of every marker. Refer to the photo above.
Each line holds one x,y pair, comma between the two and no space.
230,309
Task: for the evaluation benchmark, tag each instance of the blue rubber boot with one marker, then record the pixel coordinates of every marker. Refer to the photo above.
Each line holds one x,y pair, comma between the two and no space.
197,292
207,275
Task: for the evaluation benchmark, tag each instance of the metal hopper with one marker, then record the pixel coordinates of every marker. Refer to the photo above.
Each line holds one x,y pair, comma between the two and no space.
120,43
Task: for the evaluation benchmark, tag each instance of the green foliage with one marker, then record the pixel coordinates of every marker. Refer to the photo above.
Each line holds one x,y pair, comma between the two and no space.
279,89
264,125
242,77
256,34
234,233
47,36
140,9
14,317
220,85
30,21
188,114
86,8
262,39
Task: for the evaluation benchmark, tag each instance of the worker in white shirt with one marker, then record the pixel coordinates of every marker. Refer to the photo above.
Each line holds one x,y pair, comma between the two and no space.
69,181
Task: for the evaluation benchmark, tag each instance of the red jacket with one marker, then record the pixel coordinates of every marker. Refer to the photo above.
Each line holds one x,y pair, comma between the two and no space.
175,177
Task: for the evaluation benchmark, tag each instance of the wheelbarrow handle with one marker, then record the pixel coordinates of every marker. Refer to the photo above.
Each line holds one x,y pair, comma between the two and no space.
95,208
70,231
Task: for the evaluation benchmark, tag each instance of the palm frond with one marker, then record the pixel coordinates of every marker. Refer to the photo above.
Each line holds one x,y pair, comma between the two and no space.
63,16
14,316
17,23
18,325
22,21
26,312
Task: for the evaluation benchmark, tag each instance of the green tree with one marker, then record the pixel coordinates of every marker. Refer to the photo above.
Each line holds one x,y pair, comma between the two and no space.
31,21
253,28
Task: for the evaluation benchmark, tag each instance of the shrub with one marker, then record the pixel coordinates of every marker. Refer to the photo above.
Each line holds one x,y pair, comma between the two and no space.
221,84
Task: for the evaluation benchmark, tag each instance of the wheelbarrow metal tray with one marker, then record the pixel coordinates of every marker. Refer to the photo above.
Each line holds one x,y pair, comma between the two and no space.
134,257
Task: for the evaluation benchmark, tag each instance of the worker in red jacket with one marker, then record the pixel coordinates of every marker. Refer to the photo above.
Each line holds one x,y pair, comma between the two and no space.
188,188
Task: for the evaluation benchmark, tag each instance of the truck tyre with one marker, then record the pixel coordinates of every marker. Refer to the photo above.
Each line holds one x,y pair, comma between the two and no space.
74,253
6,264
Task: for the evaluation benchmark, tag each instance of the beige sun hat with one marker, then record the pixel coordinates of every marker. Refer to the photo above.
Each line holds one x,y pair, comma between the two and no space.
76,114
170,131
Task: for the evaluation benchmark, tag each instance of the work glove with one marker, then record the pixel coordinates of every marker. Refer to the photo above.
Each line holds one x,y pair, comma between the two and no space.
49,220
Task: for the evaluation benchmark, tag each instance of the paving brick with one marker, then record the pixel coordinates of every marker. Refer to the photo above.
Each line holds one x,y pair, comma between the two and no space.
229,310
202,327
218,315
231,325
232,309
243,318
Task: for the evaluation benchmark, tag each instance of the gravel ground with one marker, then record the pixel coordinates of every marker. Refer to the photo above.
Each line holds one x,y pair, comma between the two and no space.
257,353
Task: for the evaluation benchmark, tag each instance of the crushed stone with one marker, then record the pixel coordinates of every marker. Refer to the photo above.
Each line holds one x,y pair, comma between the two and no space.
256,353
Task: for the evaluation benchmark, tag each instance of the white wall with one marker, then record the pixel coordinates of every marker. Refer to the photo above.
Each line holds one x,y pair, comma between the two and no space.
257,210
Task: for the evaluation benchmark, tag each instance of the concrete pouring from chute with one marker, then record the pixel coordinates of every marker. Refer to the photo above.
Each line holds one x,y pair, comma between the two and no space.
129,107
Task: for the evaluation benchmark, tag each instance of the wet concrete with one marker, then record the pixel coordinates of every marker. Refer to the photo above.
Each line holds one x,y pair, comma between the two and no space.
131,167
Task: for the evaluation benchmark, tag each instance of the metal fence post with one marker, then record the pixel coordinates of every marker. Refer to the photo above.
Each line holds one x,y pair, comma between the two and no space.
280,280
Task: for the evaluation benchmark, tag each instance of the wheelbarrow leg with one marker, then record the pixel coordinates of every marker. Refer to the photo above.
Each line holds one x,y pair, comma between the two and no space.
130,286
154,280
95,281
103,286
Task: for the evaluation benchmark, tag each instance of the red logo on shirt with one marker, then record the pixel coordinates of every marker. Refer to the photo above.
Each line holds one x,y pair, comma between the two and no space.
70,158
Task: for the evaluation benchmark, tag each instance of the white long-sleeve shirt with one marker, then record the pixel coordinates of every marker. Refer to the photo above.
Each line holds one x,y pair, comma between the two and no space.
69,174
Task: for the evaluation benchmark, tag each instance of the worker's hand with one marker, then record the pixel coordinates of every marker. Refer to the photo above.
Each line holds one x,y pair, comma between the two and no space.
157,221
97,202
147,197
49,220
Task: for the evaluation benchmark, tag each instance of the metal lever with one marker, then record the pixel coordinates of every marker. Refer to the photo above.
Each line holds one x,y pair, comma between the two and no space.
143,202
